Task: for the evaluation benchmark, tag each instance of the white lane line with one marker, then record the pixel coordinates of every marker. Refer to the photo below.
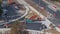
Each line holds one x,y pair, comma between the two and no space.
48,22
27,10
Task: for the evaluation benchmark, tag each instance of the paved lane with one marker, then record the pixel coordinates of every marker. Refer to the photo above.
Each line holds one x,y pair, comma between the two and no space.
43,4
11,13
36,26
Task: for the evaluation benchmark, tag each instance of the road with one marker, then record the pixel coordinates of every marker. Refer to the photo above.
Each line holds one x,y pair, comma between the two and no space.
12,14
39,15
35,26
47,21
43,4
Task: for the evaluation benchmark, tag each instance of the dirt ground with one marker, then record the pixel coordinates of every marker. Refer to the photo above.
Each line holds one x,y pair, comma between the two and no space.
54,31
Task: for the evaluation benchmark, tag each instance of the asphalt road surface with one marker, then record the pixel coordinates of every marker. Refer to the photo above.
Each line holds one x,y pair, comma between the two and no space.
56,17
11,12
36,26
